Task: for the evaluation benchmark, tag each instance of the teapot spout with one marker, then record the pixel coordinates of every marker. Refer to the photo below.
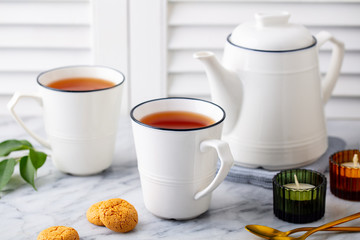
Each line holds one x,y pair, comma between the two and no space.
225,88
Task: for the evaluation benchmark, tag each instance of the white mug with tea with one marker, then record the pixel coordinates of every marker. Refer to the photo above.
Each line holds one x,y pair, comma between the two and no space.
81,108
178,145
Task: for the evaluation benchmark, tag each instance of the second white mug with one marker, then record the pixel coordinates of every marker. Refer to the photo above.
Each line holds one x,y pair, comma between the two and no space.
178,166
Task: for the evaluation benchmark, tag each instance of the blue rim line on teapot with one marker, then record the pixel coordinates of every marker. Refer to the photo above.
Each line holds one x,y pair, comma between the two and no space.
272,51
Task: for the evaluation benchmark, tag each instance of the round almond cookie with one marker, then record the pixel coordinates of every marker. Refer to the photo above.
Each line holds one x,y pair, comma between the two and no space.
58,233
92,214
118,215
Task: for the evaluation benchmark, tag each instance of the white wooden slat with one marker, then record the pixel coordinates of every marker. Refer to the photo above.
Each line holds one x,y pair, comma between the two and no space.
232,13
195,37
182,61
29,107
348,85
45,37
37,60
343,108
214,37
11,82
341,104
111,41
148,53
188,84
262,1
350,64
45,12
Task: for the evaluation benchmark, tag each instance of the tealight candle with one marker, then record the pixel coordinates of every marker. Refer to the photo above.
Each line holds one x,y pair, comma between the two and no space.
353,164
299,186
299,195
345,174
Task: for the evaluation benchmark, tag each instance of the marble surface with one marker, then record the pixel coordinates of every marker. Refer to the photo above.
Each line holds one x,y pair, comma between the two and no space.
63,199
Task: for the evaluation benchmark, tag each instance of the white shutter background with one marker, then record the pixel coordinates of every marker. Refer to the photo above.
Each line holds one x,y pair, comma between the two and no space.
37,35
156,56
204,25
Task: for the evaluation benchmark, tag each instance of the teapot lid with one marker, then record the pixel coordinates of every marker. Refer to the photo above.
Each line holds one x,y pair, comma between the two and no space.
272,32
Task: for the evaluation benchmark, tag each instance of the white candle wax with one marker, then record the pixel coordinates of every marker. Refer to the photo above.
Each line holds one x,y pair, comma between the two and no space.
353,164
302,186
299,186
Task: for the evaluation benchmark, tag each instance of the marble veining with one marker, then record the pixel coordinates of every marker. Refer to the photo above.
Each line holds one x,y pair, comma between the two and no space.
63,199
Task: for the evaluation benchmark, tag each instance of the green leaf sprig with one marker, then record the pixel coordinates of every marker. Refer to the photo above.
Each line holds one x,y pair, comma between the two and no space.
29,164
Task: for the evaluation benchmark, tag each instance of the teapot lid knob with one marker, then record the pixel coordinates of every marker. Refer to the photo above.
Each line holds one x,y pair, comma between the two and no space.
271,19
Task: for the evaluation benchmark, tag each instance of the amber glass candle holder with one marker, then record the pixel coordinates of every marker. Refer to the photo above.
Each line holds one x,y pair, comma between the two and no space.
344,181
299,205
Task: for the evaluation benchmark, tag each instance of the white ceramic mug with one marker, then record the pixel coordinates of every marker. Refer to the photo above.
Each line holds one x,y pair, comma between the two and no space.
81,126
178,167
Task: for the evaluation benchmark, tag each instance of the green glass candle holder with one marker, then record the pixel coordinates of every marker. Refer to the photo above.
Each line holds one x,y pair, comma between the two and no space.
344,180
299,205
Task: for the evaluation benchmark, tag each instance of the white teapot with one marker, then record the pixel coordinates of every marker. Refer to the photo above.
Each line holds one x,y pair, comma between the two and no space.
270,87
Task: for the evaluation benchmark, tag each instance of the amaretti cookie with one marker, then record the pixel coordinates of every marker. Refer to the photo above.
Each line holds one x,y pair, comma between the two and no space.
58,232
92,214
118,215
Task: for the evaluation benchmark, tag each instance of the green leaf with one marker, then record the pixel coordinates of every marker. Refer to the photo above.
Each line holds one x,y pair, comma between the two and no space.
9,146
28,164
25,142
6,170
37,158
27,171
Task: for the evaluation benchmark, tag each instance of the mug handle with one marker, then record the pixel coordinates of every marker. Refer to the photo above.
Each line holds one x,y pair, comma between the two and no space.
226,162
329,81
11,106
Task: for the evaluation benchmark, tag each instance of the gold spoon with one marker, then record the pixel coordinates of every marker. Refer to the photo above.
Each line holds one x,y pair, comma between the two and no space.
322,227
268,232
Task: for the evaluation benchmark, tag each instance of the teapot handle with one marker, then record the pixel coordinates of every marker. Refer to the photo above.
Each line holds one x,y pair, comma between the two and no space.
329,80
